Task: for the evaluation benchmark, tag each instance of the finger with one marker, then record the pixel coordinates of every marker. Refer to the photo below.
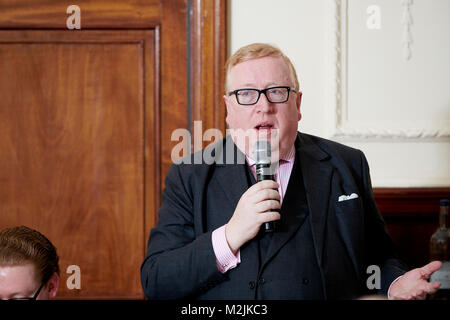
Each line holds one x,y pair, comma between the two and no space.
266,184
425,288
432,287
267,205
269,216
266,194
423,296
427,270
420,294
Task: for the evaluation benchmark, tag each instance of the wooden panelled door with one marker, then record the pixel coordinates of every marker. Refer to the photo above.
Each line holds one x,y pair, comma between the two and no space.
86,118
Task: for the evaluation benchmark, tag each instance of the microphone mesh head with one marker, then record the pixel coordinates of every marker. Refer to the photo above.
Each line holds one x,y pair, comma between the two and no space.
261,151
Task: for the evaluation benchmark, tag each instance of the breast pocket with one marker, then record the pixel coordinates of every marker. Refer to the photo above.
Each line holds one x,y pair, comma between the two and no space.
349,207
350,210
349,214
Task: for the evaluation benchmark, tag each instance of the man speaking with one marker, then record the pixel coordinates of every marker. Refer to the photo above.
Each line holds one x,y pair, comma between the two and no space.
210,241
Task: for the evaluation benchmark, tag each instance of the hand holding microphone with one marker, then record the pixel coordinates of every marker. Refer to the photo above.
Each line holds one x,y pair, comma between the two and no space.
265,170
259,205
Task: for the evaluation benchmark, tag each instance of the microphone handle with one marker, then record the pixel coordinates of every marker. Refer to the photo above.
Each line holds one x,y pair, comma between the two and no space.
267,226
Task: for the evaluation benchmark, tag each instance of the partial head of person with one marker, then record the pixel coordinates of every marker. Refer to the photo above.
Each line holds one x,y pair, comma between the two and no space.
29,265
262,96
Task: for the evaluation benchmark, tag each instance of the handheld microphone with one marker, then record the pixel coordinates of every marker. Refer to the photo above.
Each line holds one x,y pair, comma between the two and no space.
264,171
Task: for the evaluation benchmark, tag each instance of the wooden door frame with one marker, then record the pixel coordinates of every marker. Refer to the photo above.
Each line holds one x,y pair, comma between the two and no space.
207,51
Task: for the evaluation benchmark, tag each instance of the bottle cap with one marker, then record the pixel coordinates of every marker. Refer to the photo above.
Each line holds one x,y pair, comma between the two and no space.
444,202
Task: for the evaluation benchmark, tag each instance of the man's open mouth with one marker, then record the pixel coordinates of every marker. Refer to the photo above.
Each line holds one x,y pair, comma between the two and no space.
264,126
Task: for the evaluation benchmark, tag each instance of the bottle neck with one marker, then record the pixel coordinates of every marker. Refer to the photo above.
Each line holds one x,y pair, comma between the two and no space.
443,217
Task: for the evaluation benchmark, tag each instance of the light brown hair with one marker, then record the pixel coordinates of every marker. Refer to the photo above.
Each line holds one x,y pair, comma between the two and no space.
22,245
255,51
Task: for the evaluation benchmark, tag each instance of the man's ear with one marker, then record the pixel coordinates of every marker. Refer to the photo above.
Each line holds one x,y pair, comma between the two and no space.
225,99
298,103
53,285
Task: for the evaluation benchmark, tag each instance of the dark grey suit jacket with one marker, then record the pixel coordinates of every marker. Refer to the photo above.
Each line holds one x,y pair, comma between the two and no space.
347,236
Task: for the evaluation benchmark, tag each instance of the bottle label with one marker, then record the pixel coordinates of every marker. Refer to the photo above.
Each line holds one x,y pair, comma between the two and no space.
442,275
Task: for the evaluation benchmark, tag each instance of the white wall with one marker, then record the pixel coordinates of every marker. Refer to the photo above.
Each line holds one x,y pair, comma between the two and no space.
396,109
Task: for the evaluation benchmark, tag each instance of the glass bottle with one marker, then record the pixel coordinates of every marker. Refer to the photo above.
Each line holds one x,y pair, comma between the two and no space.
440,250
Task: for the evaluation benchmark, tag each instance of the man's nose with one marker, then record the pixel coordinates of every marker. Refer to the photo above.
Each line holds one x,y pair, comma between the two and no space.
263,104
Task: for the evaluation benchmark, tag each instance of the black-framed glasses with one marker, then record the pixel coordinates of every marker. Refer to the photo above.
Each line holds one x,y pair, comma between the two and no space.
250,96
34,297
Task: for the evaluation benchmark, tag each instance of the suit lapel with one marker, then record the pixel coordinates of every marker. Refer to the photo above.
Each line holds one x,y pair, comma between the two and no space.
292,217
316,177
232,177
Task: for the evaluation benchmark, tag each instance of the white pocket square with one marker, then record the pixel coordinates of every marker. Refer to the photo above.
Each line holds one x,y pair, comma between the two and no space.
345,198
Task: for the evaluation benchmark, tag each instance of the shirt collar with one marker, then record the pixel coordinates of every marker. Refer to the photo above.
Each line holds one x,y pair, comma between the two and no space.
289,157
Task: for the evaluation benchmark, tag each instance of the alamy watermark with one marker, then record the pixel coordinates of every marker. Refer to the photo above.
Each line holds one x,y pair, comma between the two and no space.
74,20
374,17
374,280
217,152
74,280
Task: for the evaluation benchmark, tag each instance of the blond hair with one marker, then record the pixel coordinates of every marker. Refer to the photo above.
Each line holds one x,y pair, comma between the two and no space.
255,51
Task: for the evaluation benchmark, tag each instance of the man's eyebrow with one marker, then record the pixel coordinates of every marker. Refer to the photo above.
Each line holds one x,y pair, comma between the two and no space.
273,84
268,85
247,85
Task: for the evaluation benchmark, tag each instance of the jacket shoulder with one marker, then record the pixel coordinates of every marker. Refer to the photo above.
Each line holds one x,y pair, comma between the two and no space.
332,148
199,164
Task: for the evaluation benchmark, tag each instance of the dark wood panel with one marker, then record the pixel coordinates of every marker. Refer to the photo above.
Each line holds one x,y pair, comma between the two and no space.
412,216
40,14
174,93
72,155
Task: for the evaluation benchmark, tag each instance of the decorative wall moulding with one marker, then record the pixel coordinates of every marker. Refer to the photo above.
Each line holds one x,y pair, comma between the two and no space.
338,87
407,23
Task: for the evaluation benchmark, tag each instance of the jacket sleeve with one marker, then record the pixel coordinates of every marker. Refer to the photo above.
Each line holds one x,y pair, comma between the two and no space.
380,249
180,262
